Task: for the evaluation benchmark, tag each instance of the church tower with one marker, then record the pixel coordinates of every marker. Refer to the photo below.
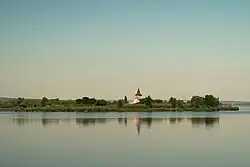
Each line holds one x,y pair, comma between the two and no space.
138,93
138,97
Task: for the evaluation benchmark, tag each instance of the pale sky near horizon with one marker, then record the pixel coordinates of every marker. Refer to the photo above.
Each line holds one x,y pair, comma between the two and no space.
109,48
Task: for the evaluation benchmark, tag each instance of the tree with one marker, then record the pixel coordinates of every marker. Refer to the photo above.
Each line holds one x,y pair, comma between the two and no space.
19,101
101,102
197,101
44,102
211,101
92,101
89,101
56,101
120,103
79,101
173,101
85,100
25,104
125,100
157,101
180,103
147,100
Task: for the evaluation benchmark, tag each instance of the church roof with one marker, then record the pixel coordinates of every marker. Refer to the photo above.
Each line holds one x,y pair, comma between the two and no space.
138,93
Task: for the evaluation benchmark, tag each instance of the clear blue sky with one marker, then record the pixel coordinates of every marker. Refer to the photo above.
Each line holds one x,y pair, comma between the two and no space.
108,48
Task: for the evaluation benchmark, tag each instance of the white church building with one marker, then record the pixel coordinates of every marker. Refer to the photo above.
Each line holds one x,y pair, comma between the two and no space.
138,97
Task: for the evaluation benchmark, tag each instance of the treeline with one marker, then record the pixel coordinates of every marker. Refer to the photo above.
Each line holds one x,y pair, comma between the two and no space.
29,103
196,103
45,102
92,101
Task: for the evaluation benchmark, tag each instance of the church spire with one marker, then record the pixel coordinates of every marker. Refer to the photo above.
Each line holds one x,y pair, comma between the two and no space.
138,97
138,93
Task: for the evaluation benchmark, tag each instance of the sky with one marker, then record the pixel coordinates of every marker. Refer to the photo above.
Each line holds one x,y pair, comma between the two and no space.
107,49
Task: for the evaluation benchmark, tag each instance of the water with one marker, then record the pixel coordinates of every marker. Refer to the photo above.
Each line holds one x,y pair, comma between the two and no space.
116,139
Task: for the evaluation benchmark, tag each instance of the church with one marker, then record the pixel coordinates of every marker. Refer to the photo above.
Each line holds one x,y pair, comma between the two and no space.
138,97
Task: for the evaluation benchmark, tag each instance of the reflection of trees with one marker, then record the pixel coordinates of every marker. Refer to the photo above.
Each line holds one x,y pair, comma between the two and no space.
147,121
138,128
144,121
212,121
175,120
46,121
90,121
120,120
125,121
56,121
207,121
21,120
172,120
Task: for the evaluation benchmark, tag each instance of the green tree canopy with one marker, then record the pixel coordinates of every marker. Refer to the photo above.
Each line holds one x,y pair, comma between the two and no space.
197,101
19,101
180,103
211,101
147,100
125,100
89,101
120,103
173,102
79,101
101,102
157,101
44,102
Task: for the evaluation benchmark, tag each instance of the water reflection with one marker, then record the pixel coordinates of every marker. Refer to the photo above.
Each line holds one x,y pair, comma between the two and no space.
125,121
122,121
90,121
138,121
175,120
207,121
47,122
21,120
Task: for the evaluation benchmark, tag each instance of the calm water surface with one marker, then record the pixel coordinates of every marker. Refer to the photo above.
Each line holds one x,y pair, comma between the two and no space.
120,140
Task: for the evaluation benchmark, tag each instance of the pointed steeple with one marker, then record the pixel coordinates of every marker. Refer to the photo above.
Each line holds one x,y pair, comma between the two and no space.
138,93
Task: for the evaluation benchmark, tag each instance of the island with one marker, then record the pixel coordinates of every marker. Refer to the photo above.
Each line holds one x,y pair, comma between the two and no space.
208,103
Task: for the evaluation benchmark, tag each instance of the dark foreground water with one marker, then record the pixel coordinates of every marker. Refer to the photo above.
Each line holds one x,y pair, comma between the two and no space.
118,140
